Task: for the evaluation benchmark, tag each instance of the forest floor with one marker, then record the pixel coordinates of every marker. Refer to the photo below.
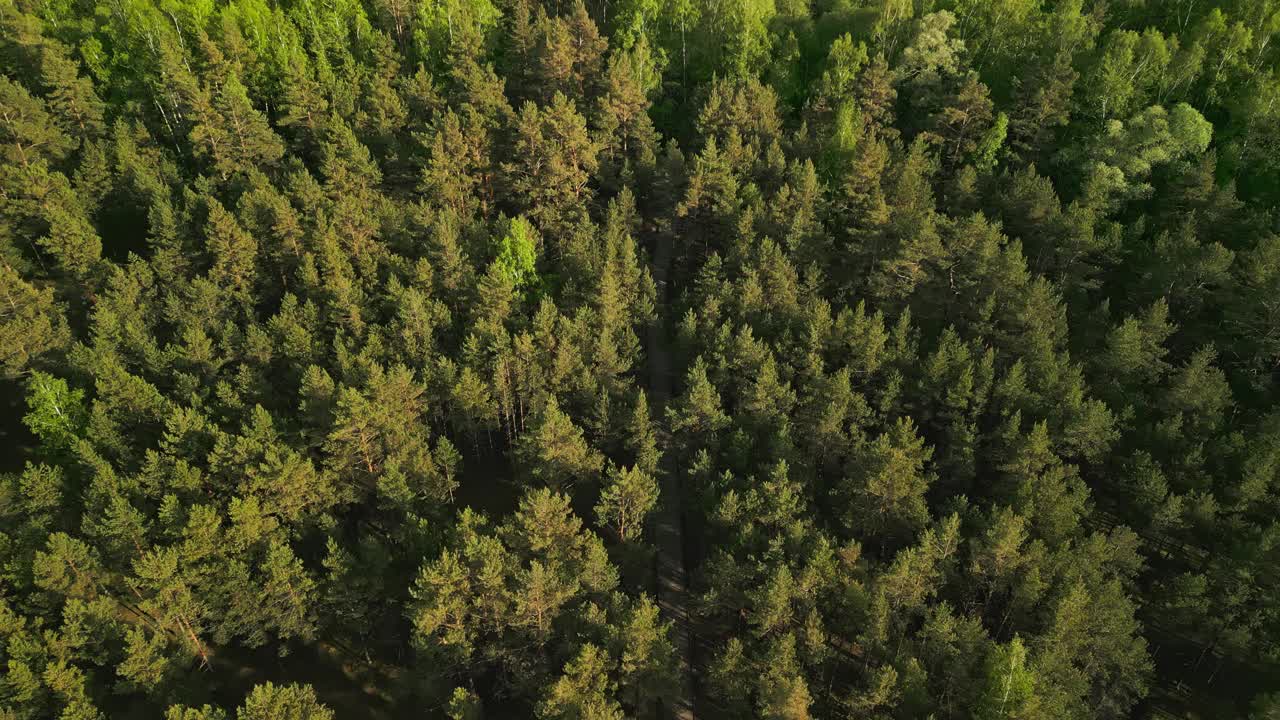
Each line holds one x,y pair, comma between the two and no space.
16,440
672,576
350,686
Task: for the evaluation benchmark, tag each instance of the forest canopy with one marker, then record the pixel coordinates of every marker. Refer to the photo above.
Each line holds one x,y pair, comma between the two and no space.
598,359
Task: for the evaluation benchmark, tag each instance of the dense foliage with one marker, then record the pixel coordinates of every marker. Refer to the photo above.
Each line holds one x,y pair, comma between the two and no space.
344,332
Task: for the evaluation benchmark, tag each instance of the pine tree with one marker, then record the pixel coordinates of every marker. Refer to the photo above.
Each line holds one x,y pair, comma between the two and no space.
465,705
641,440
232,133
583,691
234,253
554,159
32,324
30,134
554,450
283,702
784,695
71,96
647,669
628,496
621,120
885,495
698,412
454,173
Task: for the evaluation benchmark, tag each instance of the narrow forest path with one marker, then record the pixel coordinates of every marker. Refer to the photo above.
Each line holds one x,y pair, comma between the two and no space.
672,576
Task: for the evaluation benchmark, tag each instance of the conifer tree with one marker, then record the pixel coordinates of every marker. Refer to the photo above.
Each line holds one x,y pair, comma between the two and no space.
629,494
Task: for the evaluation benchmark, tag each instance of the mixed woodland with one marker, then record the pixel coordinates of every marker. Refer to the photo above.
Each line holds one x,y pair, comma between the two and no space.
351,349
